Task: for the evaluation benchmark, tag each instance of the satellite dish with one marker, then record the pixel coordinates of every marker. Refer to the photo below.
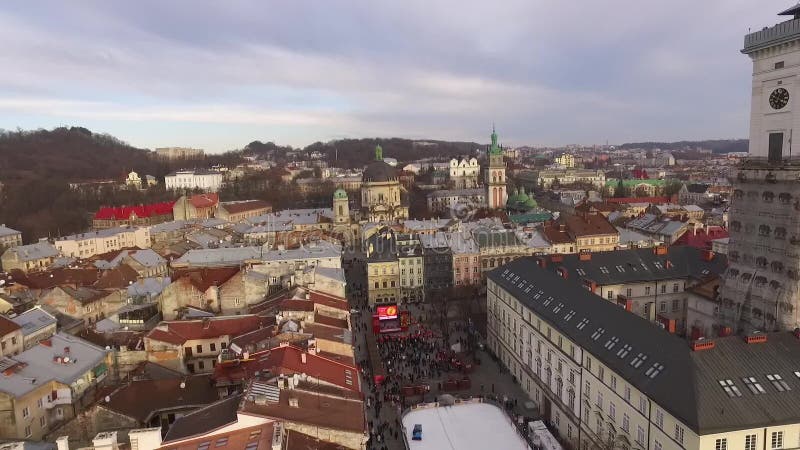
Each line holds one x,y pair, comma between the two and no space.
183,385
66,359
108,399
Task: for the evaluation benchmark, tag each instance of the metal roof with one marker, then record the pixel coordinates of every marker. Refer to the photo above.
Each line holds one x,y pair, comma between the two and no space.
683,382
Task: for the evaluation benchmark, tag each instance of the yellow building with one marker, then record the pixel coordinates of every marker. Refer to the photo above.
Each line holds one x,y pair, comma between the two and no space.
605,378
45,385
566,160
383,269
382,197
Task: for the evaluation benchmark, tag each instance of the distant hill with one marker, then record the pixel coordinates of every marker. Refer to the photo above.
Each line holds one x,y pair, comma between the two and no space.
36,167
358,152
717,146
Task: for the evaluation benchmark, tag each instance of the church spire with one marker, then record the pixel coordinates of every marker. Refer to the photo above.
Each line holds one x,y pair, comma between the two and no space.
378,153
494,149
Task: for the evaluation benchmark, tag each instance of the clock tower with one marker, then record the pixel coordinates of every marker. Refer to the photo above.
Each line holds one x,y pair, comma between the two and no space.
775,53
496,194
760,289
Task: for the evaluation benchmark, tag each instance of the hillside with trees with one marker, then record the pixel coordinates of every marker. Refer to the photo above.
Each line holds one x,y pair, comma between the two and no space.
36,168
359,152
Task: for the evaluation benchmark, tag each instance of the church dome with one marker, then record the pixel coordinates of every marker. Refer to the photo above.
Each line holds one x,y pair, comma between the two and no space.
339,193
379,171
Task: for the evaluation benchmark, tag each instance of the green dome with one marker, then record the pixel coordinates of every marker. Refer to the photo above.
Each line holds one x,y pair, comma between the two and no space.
339,193
531,203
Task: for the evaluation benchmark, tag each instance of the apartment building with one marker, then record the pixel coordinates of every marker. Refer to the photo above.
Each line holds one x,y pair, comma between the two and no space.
48,384
649,282
9,237
383,269
85,245
192,346
29,258
604,378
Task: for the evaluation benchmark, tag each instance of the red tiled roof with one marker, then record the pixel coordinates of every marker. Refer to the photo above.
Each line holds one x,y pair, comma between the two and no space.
204,200
330,321
125,212
7,326
296,305
587,224
56,277
238,207
288,360
652,200
700,238
202,279
179,331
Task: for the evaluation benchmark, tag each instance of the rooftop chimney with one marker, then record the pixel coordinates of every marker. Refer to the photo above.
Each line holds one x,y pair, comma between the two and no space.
755,338
702,344
62,443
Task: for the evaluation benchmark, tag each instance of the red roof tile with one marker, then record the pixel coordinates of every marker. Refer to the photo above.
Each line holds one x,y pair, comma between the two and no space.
204,200
204,278
7,326
179,331
702,237
288,360
125,212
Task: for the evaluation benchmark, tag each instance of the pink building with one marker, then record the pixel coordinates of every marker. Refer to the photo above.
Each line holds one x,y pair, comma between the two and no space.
466,259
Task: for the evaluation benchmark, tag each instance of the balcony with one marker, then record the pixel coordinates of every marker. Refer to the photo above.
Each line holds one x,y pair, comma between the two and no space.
778,34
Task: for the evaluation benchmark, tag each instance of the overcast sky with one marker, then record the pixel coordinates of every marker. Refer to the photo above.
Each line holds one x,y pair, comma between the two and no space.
218,75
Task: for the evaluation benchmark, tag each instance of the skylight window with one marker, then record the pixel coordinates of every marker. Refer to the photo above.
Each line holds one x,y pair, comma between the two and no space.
654,370
637,362
705,272
505,272
779,383
581,272
604,269
658,265
611,342
797,374
754,386
527,289
548,301
516,278
623,352
644,266
620,269
582,324
730,388
558,307
537,296
599,332
569,315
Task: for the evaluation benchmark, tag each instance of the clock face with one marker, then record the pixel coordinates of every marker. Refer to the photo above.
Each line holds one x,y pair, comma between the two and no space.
779,98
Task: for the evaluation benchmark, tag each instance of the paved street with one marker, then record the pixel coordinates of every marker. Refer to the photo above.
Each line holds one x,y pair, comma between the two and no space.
414,362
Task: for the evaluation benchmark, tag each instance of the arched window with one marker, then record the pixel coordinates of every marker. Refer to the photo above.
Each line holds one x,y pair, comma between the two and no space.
777,266
780,233
761,261
768,196
764,230
736,226
785,198
738,194
774,284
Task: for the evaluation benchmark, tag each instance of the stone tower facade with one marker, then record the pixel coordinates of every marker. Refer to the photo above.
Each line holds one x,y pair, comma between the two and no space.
496,194
760,287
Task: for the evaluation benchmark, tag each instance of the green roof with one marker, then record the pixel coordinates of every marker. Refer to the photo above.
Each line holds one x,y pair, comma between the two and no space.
339,193
531,217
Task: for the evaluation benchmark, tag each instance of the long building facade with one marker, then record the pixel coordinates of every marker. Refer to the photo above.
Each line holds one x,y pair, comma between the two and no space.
607,379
